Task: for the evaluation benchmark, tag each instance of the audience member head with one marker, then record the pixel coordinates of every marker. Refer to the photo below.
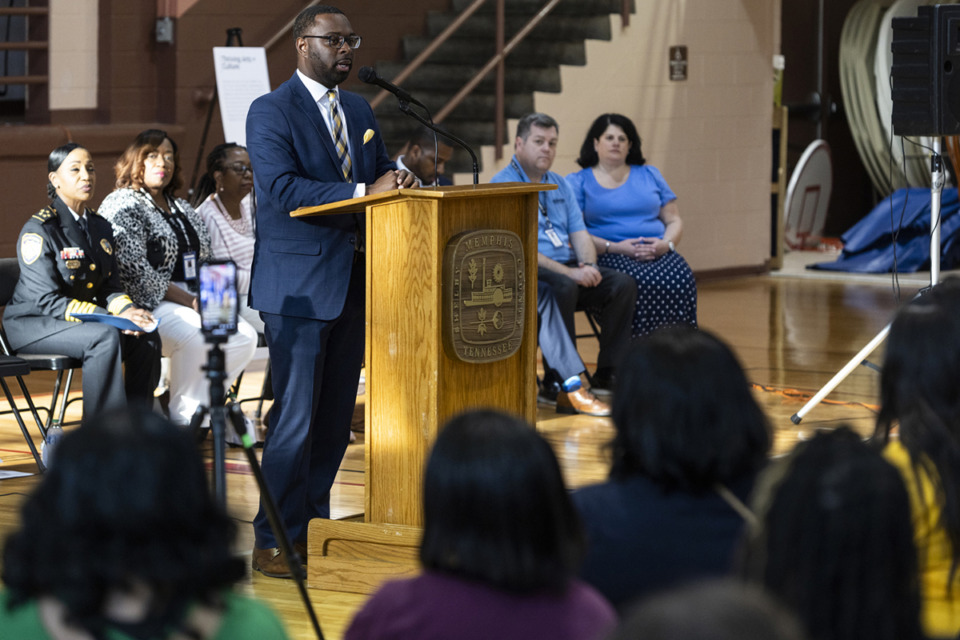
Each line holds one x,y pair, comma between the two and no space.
588,150
495,506
835,541
426,154
535,146
229,174
71,175
920,392
684,412
152,162
124,509
711,610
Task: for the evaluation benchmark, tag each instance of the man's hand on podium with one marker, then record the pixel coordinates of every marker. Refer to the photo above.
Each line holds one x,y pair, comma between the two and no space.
392,180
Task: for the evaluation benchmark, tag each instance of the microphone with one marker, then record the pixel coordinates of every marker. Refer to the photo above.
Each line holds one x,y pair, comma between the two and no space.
370,76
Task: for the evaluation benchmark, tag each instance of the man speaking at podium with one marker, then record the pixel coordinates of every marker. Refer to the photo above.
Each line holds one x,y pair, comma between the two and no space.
310,144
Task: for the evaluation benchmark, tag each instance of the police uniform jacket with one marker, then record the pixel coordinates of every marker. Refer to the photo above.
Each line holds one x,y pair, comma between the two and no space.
61,273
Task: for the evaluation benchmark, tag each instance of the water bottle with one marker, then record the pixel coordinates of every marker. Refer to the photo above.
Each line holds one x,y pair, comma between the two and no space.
48,449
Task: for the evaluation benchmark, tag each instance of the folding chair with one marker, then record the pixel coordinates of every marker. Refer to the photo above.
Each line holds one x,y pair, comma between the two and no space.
595,333
11,366
63,365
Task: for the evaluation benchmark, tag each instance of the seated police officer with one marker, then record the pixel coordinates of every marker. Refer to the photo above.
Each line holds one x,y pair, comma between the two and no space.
67,267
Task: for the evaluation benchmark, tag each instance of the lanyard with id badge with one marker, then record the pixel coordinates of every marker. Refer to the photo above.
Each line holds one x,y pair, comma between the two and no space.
549,230
188,255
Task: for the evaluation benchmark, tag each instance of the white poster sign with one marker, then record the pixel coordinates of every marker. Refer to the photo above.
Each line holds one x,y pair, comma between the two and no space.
242,77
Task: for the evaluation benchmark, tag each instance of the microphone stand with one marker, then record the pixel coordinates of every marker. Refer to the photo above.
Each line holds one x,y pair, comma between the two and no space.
405,108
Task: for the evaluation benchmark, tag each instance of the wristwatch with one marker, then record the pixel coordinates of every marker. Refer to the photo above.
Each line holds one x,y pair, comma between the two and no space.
672,246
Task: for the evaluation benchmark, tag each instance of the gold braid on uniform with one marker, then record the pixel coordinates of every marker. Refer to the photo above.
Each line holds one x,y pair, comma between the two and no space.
119,304
78,306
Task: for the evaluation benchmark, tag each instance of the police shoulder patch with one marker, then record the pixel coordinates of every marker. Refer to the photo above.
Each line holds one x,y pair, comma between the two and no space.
31,246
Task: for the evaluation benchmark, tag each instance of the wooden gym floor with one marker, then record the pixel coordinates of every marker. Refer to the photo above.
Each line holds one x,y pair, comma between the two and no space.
790,333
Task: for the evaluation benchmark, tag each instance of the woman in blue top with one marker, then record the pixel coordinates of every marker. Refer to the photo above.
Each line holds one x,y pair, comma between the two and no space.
633,217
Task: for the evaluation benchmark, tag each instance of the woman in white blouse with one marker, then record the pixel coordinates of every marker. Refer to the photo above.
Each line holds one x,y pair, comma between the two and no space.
225,200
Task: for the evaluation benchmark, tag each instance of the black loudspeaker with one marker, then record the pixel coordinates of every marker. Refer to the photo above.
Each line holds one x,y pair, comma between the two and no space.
926,72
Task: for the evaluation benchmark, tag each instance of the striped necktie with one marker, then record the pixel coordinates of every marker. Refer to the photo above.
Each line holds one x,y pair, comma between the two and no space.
339,137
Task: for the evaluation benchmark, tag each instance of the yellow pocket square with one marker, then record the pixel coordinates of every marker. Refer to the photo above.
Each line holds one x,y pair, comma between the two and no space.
367,135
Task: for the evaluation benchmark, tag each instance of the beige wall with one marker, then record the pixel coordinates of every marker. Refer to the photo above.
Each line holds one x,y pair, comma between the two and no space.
73,54
709,135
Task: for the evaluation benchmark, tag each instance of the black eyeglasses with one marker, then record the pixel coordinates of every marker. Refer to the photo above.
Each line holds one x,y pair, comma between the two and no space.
337,41
240,168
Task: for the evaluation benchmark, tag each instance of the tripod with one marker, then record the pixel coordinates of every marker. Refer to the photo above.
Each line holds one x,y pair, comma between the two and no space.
219,411
936,188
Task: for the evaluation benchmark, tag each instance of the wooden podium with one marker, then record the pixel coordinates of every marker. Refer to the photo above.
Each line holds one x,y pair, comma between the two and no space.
416,379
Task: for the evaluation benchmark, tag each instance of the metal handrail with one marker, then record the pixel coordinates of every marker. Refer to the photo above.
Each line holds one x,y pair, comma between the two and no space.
10,80
426,53
24,11
286,28
25,45
497,62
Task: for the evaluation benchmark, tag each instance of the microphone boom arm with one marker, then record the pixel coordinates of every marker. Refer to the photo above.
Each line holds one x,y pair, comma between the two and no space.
405,108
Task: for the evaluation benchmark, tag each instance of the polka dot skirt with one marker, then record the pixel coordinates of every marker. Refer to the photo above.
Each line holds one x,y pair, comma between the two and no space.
666,290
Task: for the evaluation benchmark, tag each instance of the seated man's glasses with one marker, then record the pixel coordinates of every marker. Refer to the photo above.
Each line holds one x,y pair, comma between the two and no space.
337,41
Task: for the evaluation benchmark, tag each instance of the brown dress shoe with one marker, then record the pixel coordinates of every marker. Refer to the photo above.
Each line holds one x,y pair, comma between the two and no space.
271,563
581,401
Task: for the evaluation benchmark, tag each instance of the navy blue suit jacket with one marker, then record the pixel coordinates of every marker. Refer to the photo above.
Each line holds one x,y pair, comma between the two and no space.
301,266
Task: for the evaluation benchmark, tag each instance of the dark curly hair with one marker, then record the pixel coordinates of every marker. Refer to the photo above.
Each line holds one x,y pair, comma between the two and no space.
835,542
685,415
125,502
130,165
588,155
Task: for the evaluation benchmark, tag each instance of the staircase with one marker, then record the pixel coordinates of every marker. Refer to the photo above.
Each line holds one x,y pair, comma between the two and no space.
534,65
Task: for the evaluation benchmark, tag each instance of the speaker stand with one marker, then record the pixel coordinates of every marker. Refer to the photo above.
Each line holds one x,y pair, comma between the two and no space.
936,188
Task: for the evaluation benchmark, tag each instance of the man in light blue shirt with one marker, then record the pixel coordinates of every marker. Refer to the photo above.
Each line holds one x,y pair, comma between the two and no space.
566,258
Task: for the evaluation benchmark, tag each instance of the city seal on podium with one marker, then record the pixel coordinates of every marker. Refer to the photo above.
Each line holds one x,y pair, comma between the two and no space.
483,295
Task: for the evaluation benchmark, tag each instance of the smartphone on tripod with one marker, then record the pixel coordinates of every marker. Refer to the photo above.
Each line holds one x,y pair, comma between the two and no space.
219,303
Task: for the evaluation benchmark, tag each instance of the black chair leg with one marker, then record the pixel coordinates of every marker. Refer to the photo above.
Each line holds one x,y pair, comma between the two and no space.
64,400
33,408
267,384
23,427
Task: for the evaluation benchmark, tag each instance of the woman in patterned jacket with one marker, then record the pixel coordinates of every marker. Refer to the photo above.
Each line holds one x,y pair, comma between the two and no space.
161,242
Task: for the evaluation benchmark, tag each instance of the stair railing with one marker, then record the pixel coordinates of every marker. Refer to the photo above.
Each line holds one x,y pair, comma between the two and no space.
497,62
433,46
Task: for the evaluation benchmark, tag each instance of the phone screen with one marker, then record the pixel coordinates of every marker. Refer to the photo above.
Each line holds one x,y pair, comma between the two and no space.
218,297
